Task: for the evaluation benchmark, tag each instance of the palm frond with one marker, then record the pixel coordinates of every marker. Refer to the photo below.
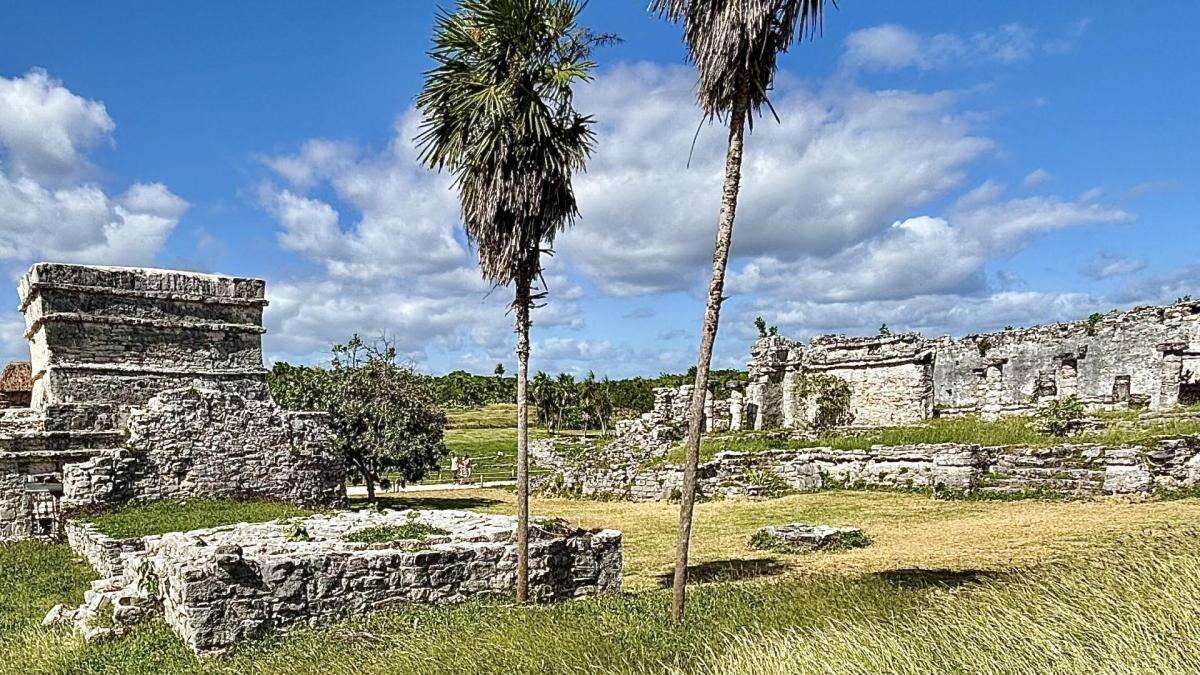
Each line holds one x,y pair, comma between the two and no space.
735,45
498,114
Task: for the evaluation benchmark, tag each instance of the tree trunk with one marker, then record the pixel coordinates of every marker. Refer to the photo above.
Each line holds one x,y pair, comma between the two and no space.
523,302
729,196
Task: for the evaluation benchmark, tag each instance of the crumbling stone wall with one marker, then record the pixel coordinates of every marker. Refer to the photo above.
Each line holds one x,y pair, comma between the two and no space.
1075,469
1146,357
149,384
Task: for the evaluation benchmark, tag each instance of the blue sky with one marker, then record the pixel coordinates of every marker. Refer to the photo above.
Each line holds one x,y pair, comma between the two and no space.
938,167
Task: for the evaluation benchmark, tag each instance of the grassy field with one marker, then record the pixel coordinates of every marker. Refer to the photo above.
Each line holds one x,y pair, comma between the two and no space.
940,575
489,437
175,516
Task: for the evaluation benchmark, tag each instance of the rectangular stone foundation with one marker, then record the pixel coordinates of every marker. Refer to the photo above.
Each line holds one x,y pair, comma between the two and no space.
221,586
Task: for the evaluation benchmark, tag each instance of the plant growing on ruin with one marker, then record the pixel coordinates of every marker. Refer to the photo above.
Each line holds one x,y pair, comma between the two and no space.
498,113
984,345
827,396
1093,321
884,330
735,46
1061,416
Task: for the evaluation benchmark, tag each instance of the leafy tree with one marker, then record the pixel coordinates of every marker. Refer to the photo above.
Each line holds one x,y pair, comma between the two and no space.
735,46
382,413
884,330
761,325
499,371
499,114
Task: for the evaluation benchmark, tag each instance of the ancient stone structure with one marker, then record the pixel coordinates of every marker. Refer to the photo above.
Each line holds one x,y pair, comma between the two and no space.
219,586
949,469
149,384
1147,357
805,538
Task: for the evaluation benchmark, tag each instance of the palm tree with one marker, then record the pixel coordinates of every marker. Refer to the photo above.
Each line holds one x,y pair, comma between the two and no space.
735,45
498,114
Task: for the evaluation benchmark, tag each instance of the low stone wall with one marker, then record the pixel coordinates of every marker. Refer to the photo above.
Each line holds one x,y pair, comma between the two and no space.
220,586
1074,469
106,555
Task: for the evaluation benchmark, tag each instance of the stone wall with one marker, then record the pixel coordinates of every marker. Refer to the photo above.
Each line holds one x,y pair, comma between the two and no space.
1075,469
202,443
1146,357
220,586
149,384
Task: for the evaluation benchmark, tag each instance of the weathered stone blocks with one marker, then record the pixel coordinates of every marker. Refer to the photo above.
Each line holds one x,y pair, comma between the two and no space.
805,538
219,586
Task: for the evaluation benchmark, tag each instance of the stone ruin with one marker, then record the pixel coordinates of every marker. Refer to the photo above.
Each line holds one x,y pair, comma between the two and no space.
220,586
1147,358
149,384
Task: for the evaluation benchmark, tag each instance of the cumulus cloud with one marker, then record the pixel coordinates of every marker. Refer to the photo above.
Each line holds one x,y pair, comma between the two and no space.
49,209
383,233
843,164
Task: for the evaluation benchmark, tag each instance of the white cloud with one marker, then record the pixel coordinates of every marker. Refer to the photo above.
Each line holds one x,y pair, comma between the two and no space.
389,257
45,129
842,165
1036,178
1106,266
892,47
49,210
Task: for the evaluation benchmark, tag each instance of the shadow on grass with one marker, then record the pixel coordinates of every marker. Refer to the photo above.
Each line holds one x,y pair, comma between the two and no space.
425,502
726,570
936,578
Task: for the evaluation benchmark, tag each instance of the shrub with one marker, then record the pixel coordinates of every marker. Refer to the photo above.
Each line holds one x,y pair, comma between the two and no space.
829,398
1060,416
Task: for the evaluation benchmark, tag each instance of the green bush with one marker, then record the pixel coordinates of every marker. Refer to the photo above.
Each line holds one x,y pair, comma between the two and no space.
389,533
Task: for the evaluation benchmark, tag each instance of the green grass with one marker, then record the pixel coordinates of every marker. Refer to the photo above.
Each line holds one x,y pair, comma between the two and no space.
488,436
932,565
141,520
1114,611
388,533
1006,431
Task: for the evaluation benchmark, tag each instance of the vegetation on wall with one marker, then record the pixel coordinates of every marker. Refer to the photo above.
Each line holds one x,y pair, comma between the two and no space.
827,396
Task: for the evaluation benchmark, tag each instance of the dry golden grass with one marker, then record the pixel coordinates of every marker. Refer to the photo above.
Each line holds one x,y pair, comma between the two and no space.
909,531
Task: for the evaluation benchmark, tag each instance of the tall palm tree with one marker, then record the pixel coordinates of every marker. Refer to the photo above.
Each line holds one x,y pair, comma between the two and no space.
735,46
498,114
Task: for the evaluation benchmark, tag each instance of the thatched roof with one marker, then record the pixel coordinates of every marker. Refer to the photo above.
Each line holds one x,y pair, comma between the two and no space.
18,376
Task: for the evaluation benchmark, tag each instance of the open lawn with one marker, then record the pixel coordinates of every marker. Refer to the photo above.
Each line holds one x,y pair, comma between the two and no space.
487,435
946,586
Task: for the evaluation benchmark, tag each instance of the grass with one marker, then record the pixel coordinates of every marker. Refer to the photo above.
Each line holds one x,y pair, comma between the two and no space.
145,519
1107,612
383,534
1005,431
489,437
928,562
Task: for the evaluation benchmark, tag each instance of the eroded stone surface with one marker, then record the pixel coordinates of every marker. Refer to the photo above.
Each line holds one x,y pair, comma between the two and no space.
219,586
149,384
803,538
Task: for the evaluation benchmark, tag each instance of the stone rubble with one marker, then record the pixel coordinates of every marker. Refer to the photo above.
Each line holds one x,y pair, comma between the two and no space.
804,538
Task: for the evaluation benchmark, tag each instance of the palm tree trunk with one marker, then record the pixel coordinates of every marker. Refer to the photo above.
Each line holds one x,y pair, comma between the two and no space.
712,314
523,302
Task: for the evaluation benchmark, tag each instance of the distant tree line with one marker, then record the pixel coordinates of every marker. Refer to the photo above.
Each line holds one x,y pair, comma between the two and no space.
559,402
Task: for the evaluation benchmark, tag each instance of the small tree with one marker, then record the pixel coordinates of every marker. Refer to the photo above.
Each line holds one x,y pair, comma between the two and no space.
884,330
499,371
382,413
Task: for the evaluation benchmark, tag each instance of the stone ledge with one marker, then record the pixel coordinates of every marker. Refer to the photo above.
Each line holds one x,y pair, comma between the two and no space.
37,288
171,324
